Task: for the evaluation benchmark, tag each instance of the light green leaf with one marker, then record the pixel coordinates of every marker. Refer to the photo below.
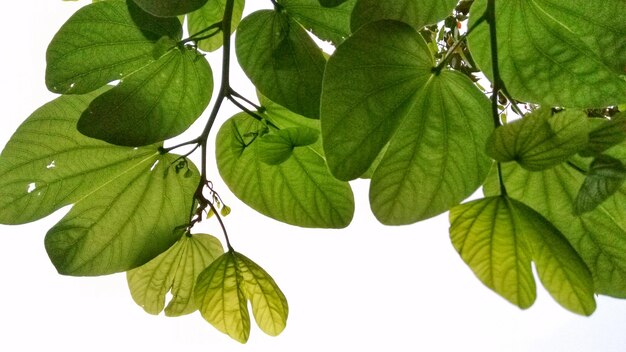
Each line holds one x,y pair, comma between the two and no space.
212,12
282,61
300,191
327,23
169,8
174,270
369,87
275,148
604,177
436,158
103,42
416,13
153,104
221,298
224,289
568,53
599,236
541,139
488,236
268,302
605,134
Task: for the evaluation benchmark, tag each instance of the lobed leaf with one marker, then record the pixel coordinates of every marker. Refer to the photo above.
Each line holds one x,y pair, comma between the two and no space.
541,139
175,271
282,61
417,13
103,42
569,53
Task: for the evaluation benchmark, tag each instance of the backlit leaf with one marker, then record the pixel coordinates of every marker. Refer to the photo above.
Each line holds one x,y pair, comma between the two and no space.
275,148
605,134
541,139
417,13
158,102
103,42
282,61
568,53
169,8
211,13
327,23
604,177
175,271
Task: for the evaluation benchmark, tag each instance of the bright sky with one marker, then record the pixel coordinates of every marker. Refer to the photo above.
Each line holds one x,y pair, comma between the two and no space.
366,287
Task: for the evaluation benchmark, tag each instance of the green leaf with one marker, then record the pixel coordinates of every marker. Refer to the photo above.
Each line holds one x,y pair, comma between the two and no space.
275,148
213,12
282,61
604,177
487,235
156,103
436,158
541,139
224,289
327,23
170,8
497,237
103,42
175,271
599,236
416,13
300,191
568,53
369,86
605,134
331,3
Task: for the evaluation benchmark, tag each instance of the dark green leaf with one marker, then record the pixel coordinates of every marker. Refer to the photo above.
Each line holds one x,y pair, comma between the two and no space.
209,14
436,157
568,53
369,86
300,191
170,8
417,13
224,289
104,42
175,271
331,3
327,23
604,177
540,140
281,60
158,102
606,134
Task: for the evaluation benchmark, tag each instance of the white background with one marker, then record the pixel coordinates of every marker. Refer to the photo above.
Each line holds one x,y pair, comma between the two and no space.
367,287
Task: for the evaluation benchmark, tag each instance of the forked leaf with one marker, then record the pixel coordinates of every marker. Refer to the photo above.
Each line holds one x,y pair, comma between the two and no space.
604,177
327,23
282,61
212,12
170,8
275,148
417,13
174,270
489,239
540,140
300,191
599,236
103,42
224,289
158,102
569,53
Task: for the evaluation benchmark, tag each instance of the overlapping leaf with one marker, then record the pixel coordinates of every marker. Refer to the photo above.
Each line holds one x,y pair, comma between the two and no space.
282,60
541,139
224,289
170,8
599,236
299,191
380,88
605,134
327,23
417,13
158,102
568,53
604,177
213,12
174,270
277,147
498,237
104,42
